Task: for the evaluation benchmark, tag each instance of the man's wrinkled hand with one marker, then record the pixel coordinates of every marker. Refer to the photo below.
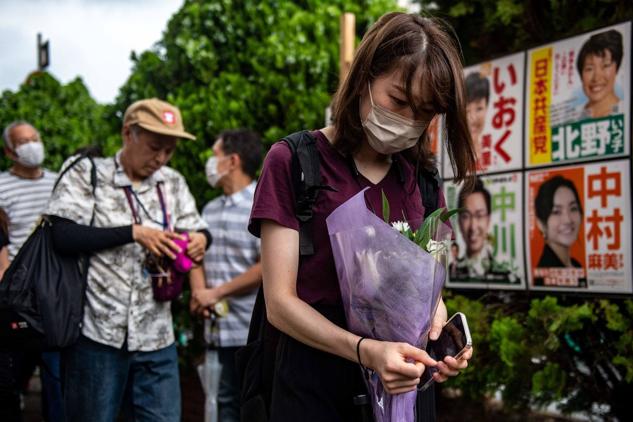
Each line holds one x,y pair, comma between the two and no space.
158,242
197,246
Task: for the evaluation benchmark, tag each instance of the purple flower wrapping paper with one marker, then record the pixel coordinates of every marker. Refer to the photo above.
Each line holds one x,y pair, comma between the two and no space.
390,289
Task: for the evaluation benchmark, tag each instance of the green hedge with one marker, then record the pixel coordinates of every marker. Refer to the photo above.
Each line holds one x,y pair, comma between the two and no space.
538,351
66,116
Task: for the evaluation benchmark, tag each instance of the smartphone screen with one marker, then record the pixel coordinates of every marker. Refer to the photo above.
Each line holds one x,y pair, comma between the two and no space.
451,342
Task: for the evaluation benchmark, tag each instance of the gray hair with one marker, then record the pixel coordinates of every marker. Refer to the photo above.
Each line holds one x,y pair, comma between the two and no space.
6,135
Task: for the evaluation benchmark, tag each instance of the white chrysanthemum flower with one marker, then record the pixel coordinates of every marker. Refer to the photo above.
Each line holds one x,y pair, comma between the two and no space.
436,248
401,226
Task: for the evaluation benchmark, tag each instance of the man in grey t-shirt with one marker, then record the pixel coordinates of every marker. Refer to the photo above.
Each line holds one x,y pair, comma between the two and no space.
24,192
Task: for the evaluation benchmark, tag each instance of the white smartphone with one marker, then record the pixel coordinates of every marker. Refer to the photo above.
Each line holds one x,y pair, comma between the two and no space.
454,340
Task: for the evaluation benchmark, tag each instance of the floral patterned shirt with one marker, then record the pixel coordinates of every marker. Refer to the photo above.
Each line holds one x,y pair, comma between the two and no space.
119,302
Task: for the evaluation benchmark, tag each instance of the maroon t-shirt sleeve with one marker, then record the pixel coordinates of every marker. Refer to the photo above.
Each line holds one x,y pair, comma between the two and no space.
274,196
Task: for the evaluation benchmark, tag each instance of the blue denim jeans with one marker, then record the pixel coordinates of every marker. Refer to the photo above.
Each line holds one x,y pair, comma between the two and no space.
99,379
52,405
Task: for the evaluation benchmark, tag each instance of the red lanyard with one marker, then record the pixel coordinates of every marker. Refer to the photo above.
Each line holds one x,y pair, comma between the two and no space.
130,195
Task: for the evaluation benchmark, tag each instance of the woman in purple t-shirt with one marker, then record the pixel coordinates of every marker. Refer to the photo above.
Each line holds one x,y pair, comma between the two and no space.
406,70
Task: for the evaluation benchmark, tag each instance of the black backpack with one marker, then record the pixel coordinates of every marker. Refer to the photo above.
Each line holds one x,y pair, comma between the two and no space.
42,291
255,361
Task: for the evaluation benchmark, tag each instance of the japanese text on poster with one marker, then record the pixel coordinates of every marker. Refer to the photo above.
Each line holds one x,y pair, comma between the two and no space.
578,95
579,228
488,251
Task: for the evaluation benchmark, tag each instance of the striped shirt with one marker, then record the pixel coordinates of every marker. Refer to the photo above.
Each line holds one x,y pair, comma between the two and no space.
24,200
233,251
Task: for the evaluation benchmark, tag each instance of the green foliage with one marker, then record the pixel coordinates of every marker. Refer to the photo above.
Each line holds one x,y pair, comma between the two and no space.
270,66
66,116
491,28
541,351
385,207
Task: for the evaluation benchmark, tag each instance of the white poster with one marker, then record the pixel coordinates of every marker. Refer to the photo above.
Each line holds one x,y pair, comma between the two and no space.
488,250
494,108
579,98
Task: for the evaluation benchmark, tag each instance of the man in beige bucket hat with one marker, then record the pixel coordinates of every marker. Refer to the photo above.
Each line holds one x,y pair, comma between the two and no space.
126,353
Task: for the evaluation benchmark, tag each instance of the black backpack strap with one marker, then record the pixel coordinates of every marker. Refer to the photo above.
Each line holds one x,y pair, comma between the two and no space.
93,172
258,318
306,168
430,185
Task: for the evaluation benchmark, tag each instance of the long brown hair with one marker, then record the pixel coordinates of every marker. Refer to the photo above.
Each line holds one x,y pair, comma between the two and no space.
4,223
421,48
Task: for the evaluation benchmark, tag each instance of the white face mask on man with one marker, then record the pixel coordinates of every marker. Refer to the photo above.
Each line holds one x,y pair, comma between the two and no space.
388,132
30,154
211,169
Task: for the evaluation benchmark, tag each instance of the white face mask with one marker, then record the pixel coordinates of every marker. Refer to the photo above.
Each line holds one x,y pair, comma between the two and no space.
30,154
211,169
388,132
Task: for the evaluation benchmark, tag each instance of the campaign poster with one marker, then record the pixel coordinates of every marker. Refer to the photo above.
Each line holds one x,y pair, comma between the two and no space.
579,228
488,249
494,109
579,98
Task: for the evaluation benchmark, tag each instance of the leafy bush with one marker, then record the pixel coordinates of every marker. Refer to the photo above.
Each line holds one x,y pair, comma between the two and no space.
270,66
66,115
547,350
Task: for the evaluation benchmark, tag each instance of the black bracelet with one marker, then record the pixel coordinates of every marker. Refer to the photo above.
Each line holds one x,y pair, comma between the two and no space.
358,356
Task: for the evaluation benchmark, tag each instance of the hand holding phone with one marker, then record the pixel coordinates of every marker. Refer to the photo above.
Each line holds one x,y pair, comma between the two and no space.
454,340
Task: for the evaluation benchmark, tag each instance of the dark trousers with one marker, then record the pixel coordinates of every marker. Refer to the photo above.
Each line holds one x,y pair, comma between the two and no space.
229,389
50,374
99,380
311,385
10,365
314,386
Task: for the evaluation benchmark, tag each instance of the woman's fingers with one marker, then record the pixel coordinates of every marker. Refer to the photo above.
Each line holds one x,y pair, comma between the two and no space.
457,364
439,377
402,384
467,354
418,355
451,367
446,370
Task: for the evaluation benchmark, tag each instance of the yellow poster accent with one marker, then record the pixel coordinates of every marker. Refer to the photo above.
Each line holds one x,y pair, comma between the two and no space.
540,132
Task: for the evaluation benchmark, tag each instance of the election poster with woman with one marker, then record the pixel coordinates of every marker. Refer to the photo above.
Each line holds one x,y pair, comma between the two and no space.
579,98
579,228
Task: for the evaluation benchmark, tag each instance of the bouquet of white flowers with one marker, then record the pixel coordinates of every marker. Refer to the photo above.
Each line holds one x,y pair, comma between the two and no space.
390,283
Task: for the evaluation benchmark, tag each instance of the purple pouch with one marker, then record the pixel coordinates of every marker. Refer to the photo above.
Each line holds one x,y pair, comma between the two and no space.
182,263
167,288
167,285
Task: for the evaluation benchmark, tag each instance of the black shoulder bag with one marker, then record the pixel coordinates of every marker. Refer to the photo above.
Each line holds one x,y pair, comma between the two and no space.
42,292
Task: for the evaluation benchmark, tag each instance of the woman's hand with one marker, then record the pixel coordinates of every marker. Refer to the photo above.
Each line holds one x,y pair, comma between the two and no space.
399,365
439,319
158,242
197,246
449,367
